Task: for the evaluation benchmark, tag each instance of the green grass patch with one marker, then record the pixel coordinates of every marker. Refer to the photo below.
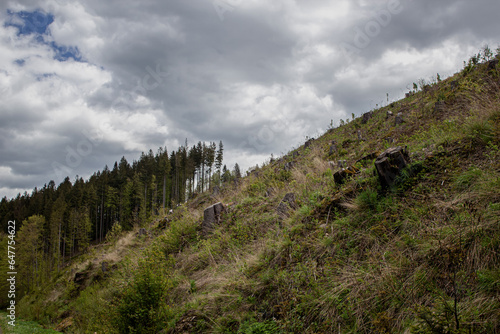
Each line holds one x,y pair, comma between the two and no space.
22,327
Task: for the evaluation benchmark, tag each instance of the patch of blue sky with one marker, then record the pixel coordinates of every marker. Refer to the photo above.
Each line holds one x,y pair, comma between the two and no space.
36,23
27,23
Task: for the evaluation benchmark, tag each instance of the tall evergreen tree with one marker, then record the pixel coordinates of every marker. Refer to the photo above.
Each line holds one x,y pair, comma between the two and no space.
218,159
237,172
30,252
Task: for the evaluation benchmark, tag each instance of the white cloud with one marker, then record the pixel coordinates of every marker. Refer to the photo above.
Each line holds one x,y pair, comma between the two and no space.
261,80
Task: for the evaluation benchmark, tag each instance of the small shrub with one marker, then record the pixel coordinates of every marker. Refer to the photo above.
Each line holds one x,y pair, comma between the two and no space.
140,309
438,319
115,232
305,211
489,280
481,132
256,189
367,200
93,309
468,178
180,234
407,176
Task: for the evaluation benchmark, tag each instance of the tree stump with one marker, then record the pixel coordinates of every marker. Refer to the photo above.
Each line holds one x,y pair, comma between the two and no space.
366,117
340,176
333,147
399,119
440,106
360,136
370,156
286,204
211,216
492,64
216,191
390,163
308,143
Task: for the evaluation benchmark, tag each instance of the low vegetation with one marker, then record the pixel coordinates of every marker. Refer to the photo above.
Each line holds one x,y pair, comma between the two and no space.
420,257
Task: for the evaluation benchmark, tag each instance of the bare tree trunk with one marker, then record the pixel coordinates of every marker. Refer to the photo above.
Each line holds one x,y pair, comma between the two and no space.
164,189
59,248
102,217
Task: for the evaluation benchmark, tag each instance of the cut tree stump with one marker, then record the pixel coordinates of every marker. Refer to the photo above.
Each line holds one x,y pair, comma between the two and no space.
390,163
211,216
287,203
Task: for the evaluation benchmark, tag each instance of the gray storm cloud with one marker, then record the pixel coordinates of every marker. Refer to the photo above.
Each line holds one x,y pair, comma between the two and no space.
259,76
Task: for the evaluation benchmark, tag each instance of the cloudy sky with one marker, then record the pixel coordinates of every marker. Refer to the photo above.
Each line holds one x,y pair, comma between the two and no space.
83,83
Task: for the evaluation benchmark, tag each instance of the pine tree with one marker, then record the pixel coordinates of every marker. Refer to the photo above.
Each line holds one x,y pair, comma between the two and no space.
30,252
56,226
226,174
209,160
4,269
219,158
237,172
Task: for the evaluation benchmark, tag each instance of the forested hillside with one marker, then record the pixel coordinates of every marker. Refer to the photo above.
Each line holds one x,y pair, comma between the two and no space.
340,235
57,222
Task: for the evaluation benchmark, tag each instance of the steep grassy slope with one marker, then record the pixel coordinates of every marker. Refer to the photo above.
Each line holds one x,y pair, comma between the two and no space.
421,257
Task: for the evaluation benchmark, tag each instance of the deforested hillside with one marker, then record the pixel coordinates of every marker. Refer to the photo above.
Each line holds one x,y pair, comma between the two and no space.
329,238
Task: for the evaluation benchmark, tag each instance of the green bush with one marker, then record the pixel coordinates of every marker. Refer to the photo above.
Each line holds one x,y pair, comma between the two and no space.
141,309
93,309
256,189
367,200
489,280
115,232
481,132
181,233
468,178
